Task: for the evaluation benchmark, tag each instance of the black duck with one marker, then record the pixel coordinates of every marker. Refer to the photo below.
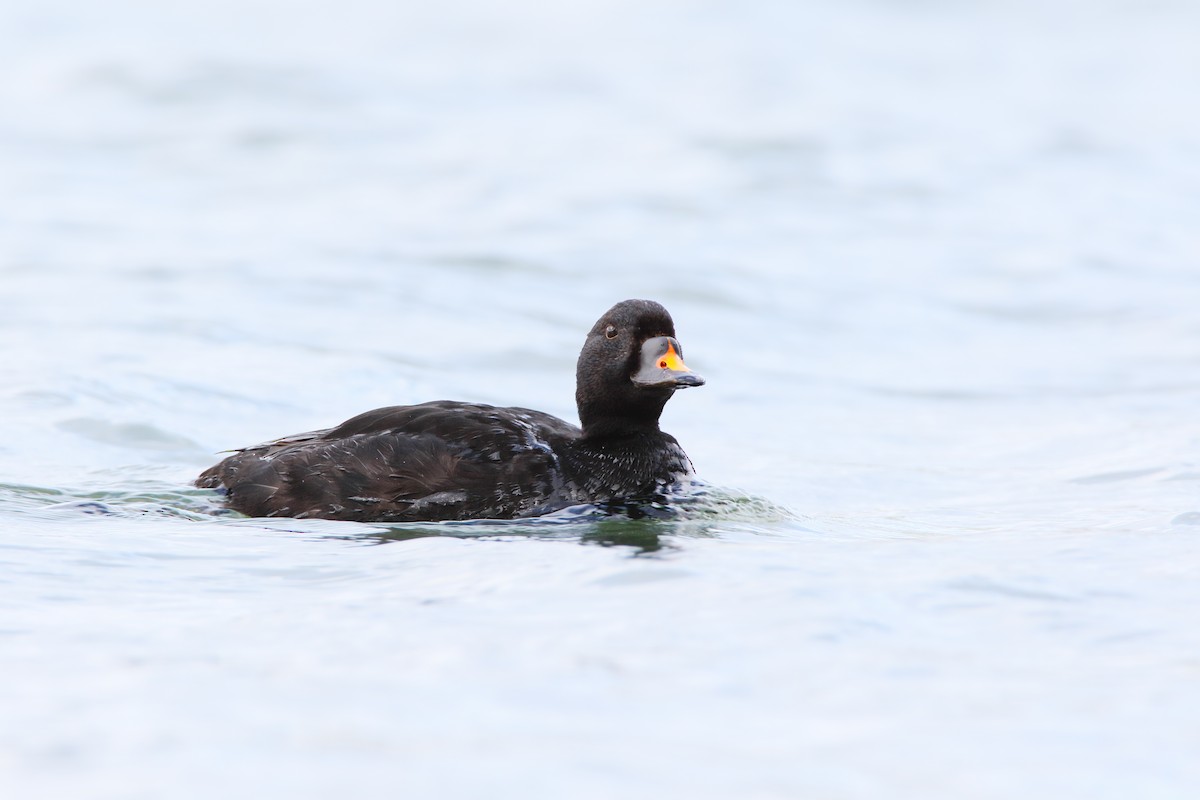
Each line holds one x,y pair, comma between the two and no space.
453,461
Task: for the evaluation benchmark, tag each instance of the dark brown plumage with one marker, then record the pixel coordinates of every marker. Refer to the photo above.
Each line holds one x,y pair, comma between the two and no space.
447,460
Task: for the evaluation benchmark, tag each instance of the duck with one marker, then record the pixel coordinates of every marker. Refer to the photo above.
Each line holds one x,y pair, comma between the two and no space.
447,460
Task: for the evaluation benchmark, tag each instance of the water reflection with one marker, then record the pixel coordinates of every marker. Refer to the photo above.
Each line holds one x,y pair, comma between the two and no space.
648,526
645,535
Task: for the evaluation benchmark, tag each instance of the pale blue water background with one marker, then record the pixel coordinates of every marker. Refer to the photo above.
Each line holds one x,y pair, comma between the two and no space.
939,262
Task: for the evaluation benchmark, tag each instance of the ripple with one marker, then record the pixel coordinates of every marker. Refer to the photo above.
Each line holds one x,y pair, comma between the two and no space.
697,511
136,499
133,434
1120,475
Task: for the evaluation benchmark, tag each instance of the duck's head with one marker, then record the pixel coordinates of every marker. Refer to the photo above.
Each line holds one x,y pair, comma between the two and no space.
630,365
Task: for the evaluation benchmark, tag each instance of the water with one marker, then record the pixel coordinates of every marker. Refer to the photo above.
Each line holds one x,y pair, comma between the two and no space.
938,262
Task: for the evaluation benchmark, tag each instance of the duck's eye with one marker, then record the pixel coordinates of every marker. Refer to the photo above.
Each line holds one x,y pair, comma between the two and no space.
610,332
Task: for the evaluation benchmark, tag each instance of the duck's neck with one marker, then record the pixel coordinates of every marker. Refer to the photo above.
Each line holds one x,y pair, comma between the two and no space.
614,416
615,429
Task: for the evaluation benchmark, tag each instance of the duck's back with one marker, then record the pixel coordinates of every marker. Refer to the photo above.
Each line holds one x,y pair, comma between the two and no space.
433,461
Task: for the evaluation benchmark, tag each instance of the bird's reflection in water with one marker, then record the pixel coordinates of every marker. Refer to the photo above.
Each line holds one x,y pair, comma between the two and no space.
644,536
641,526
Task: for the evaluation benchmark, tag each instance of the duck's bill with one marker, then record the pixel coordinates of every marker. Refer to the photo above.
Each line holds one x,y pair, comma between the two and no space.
662,366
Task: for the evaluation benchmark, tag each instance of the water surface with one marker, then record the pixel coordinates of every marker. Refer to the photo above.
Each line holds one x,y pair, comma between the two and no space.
937,261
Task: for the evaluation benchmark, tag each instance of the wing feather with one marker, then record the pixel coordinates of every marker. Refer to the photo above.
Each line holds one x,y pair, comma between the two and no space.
430,461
